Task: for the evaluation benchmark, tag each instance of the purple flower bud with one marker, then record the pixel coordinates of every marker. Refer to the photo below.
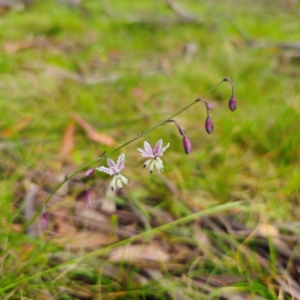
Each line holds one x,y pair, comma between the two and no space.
232,103
88,198
187,146
209,125
89,172
44,220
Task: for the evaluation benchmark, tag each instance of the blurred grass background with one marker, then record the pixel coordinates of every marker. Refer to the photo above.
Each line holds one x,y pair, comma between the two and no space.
124,66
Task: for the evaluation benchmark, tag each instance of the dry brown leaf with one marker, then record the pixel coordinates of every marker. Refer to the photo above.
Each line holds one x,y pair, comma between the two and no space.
41,296
88,215
269,231
86,239
16,128
16,46
26,252
139,253
108,203
12,47
68,140
103,139
63,226
17,227
201,237
266,230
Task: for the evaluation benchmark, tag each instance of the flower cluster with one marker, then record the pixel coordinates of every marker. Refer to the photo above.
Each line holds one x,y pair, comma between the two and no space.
154,154
114,169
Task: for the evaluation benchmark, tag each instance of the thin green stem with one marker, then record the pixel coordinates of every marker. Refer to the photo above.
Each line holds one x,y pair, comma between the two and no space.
210,211
227,79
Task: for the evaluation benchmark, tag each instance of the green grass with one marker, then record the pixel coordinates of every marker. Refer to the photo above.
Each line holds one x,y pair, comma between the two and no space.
123,74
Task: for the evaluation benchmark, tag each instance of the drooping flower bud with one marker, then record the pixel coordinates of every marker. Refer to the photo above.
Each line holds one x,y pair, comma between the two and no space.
232,103
88,198
209,125
187,145
44,218
89,172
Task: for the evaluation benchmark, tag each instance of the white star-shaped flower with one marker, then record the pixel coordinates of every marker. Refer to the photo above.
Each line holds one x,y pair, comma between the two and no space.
154,154
114,170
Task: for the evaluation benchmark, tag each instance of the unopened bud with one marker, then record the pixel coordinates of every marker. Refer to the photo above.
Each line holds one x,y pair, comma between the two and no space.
232,104
88,198
187,146
89,172
44,217
209,125
44,220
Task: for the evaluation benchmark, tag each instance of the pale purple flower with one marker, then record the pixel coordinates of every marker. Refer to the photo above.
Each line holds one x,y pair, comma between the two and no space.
154,161
114,170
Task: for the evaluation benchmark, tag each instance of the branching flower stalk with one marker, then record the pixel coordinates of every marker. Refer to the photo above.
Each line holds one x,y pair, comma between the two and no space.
104,155
232,100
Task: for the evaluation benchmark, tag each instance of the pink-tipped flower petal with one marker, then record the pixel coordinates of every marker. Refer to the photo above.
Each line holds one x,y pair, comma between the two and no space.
114,168
111,163
148,148
143,152
209,125
121,161
108,171
158,147
164,149
187,145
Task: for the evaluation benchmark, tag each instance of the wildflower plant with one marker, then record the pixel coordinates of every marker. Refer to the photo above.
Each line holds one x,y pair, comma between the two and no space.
114,170
153,154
